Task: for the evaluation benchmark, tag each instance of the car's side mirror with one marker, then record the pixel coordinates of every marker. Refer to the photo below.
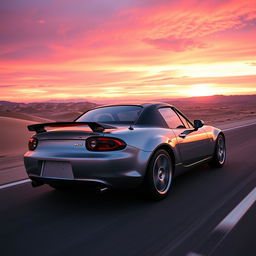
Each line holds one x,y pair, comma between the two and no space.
198,124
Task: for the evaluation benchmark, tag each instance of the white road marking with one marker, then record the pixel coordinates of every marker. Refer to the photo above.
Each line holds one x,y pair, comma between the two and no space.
229,222
14,183
237,127
194,254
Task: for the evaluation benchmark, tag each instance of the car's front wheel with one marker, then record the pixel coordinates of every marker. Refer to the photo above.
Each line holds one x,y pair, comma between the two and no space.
159,175
219,156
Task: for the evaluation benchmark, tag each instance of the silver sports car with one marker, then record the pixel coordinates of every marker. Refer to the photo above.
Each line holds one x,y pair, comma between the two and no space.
122,146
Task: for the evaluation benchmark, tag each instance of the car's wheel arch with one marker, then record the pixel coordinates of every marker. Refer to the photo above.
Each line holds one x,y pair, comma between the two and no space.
220,133
215,161
215,132
168,149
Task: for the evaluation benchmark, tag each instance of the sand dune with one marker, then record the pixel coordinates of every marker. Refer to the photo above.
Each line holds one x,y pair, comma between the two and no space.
13,136
65,111
65,115
56,116
23,116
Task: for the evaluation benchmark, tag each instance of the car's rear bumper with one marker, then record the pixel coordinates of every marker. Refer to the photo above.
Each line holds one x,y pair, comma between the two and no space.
102,183
120,169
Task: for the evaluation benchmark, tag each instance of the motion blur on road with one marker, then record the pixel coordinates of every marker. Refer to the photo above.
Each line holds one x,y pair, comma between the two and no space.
42,221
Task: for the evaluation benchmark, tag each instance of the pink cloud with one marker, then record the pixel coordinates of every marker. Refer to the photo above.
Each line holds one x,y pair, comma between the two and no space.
93,28
173,44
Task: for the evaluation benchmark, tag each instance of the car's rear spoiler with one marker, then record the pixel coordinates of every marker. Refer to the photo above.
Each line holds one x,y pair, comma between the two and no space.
96,127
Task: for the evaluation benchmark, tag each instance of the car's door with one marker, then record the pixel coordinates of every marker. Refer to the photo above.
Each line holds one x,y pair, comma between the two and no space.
193,144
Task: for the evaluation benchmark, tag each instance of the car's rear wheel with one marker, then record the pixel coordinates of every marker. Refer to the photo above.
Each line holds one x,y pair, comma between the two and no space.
159,175
219,156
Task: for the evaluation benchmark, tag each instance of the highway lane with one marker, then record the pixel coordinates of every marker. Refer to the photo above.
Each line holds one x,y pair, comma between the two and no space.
41,221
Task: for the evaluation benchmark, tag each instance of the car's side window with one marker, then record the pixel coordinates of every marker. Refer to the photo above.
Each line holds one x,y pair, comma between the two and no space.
171,118
184,120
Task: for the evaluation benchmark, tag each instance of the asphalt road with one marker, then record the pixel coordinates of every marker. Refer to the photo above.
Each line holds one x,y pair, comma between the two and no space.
42,221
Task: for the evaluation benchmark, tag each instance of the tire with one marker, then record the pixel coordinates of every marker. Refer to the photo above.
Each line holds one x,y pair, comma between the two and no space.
159,175
220,154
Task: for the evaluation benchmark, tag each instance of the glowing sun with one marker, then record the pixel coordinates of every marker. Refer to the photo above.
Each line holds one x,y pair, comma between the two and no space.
198,90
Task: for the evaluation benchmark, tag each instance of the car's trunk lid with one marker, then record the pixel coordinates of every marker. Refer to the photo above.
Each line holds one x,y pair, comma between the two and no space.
67,134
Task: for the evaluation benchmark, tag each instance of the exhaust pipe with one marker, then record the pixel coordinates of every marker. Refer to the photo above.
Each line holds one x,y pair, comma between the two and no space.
104,189
36,184
100,189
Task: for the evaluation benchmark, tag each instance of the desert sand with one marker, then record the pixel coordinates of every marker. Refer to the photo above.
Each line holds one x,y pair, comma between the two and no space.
24,116
14,138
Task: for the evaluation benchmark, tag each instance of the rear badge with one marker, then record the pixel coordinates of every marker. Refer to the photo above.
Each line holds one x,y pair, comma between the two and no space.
78,144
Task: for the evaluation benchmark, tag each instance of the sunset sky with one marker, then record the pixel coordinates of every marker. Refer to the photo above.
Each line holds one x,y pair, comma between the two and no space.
126,49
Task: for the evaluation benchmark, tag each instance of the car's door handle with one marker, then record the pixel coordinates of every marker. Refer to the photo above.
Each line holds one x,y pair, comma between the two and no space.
185,133
182,135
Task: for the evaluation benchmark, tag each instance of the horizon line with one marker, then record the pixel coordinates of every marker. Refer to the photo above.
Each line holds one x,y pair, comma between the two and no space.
94,100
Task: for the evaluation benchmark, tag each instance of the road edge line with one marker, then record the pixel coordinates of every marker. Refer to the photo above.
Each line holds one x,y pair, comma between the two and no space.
11,184
237,127
228,223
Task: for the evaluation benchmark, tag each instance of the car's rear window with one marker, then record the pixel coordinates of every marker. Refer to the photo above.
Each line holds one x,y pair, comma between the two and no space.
112,115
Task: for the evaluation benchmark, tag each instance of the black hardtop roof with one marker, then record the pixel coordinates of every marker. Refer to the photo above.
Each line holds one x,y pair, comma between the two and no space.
149,116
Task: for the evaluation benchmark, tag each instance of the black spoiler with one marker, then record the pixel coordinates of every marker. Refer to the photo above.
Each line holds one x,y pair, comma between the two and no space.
95,127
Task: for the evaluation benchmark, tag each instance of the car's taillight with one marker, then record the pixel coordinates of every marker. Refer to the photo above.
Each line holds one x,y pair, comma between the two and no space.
104,144
32,144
